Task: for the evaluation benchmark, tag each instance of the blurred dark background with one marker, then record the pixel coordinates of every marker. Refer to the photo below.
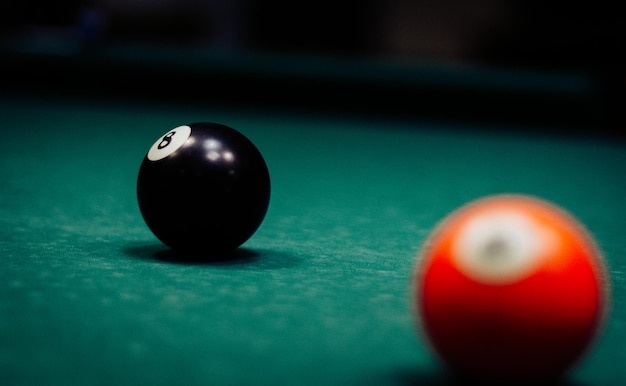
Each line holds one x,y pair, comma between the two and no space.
503,32
585,38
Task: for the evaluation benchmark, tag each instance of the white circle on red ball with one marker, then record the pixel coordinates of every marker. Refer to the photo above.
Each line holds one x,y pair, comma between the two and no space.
502,247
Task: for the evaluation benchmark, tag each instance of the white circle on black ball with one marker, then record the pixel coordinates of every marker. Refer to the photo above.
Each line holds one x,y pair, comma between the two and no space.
169,143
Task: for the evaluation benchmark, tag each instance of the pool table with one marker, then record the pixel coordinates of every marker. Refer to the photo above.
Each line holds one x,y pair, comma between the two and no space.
365,159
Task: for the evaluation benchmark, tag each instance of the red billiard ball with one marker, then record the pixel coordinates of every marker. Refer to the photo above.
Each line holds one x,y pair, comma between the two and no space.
510,287
203,188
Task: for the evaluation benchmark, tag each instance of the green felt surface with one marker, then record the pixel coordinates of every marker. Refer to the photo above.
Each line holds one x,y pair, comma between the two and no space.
319,295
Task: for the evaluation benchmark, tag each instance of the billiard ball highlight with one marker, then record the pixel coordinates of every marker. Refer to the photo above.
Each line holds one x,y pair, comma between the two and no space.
203,187
510,287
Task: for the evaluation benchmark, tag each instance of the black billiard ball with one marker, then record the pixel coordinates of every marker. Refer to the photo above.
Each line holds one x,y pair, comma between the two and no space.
203,188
